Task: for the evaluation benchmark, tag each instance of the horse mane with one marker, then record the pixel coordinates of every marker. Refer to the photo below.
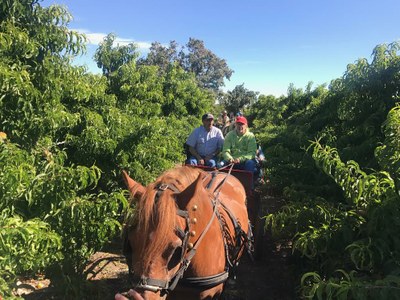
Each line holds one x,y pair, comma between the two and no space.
155,216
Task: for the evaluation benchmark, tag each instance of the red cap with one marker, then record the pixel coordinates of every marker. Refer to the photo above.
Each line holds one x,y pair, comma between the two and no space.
241,120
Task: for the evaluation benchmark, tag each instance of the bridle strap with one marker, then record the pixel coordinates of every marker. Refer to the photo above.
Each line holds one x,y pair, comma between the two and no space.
151,284
161,187
207,281
189,255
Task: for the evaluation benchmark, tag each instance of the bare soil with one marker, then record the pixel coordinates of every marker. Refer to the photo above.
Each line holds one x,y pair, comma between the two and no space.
271,277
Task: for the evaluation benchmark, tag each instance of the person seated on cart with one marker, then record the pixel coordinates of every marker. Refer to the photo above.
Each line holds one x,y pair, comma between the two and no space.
205,143
223,120
240,147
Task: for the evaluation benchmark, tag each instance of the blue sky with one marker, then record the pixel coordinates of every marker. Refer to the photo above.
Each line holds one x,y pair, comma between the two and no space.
268,44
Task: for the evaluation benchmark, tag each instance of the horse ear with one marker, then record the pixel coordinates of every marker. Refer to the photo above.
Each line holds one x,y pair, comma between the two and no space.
185,196
135,188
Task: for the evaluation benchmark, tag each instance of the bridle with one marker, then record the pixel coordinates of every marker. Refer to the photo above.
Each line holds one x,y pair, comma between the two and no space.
166,286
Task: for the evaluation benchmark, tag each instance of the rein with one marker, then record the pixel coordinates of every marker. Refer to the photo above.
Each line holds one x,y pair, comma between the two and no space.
165,286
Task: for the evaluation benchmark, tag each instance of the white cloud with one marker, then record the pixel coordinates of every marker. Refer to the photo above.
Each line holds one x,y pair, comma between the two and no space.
94,38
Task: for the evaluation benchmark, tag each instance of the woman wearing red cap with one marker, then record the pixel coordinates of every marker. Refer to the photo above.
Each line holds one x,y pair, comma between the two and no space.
240,147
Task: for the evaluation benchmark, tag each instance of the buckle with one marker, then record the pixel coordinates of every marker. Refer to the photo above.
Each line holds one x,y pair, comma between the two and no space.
163,187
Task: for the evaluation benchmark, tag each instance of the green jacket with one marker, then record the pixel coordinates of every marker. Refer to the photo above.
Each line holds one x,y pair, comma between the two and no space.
242,147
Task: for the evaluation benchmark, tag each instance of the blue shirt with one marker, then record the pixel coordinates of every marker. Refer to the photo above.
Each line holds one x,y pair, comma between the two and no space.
206,143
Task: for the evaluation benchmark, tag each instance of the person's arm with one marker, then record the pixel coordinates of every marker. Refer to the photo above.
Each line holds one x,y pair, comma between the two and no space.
220,143
192,142
200,160
194,152
192,138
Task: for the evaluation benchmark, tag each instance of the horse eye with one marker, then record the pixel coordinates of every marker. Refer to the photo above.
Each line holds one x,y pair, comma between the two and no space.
175,258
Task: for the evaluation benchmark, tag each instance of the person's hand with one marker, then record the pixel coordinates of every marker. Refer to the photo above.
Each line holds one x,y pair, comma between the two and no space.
236,161
132,294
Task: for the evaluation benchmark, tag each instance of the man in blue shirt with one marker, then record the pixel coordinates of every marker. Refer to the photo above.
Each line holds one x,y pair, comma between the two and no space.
205,143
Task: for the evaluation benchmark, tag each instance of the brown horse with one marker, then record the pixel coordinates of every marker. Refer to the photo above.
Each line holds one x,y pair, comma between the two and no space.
188,229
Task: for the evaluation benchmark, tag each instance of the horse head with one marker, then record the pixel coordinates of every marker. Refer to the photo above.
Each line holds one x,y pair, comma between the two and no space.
177,232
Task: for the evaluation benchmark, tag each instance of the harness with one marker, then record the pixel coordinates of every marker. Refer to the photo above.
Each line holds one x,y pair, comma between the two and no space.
242,240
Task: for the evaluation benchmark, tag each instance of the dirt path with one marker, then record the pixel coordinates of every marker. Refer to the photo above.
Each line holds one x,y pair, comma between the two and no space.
271,276
268,278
